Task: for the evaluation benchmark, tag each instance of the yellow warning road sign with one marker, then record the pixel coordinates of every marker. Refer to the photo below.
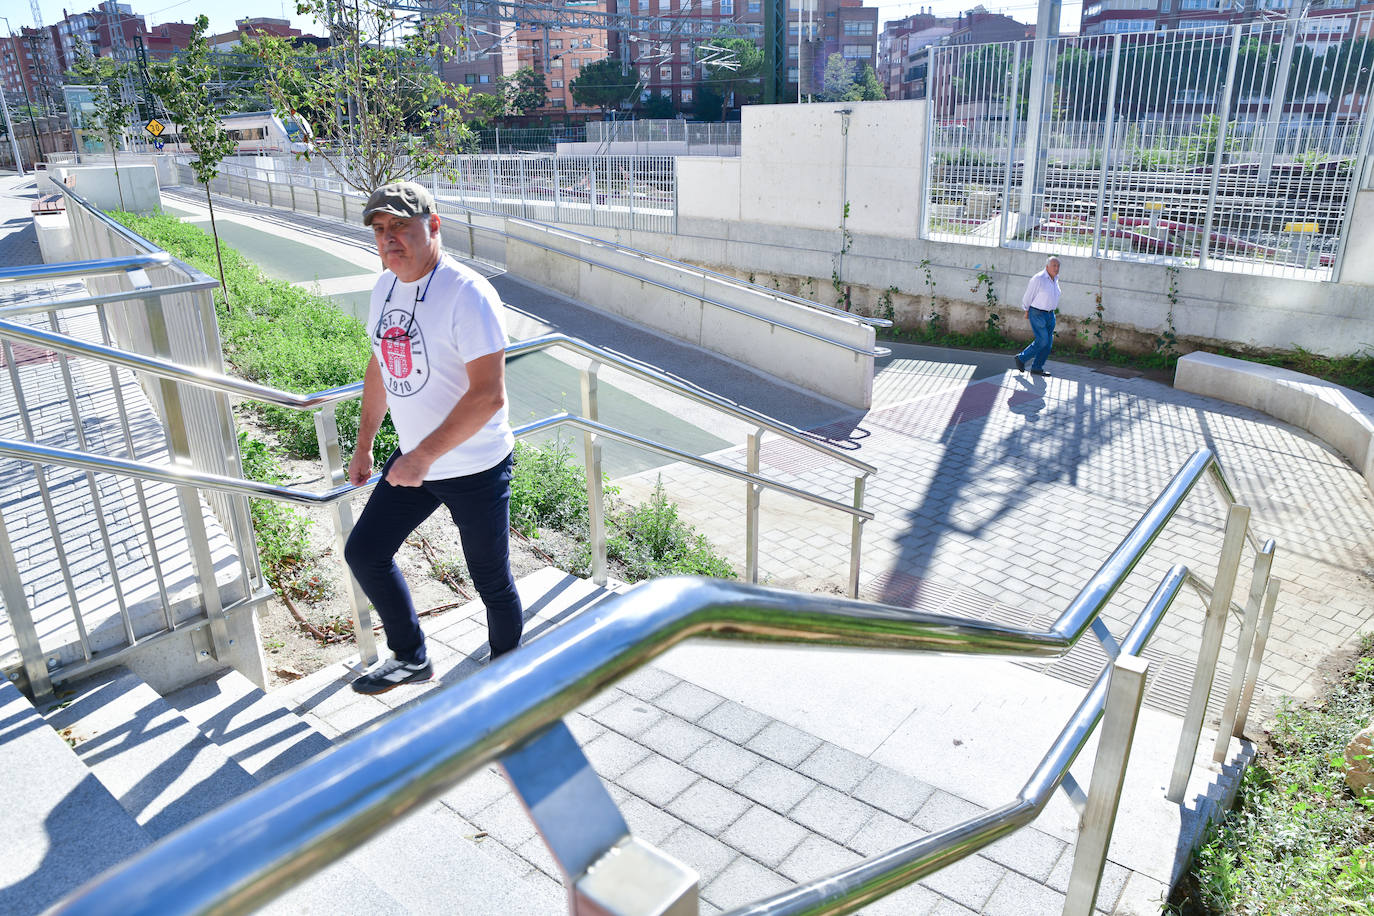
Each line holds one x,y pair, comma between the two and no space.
154,127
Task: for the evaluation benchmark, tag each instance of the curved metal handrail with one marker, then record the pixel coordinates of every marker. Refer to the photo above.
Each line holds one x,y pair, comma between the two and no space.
256,847
216,381
84,268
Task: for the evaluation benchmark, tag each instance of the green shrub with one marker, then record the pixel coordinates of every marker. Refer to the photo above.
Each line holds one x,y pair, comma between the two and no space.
1297,841
281,531
548,489
651,540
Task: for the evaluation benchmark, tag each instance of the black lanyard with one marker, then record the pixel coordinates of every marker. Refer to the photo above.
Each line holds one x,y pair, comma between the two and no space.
419,297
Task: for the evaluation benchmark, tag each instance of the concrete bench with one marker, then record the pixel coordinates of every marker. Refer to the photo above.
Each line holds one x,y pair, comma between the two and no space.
1341,418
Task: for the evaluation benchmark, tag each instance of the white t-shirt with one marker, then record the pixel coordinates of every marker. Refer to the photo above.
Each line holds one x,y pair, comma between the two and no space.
423,335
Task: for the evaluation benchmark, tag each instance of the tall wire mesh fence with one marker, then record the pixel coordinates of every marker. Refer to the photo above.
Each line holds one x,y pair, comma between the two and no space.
1237,148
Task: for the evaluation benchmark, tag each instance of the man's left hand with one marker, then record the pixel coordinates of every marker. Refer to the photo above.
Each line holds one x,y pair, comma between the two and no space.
408,471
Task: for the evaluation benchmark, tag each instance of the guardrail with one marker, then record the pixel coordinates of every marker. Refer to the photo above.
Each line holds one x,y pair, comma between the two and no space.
325,402
838,345
256,847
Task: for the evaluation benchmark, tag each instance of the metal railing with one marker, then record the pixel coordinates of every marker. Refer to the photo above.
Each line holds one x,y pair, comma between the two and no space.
1236,148
325,403
256,847
342,204
158,547
623,192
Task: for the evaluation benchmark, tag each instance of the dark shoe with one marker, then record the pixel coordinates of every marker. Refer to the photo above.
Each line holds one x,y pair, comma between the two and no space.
1040,372
392,673
1020,364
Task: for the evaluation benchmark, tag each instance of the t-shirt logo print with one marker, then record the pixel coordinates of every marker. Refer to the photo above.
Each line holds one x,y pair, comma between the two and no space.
404,360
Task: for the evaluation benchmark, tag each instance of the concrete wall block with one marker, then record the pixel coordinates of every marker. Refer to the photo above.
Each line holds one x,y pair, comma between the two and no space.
96,183
708,188
1342,418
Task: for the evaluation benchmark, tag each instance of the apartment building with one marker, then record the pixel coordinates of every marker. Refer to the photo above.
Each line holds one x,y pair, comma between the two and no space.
901,52
1112,17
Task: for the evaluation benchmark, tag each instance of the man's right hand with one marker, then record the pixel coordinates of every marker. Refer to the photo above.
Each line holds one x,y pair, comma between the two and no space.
360,466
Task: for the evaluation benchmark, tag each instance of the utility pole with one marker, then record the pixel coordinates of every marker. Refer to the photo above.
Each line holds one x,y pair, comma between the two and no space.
1041,91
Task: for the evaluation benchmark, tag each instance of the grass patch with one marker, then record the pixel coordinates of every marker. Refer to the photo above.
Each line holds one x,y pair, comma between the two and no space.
1298,842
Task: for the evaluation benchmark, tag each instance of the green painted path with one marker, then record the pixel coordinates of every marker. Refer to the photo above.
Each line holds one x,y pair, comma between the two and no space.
281,258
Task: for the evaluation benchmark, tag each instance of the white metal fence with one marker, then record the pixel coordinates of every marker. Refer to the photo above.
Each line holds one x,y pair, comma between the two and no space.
623,192
1235,148
627,192
693,133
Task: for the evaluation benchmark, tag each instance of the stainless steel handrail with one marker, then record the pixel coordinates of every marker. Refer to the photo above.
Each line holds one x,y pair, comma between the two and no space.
256,847
876,351
715,275
216,381
59,305
84,268
180,476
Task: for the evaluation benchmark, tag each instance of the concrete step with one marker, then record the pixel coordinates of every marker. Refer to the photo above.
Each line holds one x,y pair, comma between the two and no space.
159,766
256,730
62,826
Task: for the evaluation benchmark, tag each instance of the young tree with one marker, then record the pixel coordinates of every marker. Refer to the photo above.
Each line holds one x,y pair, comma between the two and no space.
837,83
709,102
733,65
659,106
604,84
380,81
183,88
870,90
112,109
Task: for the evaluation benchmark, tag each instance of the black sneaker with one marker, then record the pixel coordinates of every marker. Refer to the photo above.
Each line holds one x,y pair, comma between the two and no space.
1040,372
392,673
1020,364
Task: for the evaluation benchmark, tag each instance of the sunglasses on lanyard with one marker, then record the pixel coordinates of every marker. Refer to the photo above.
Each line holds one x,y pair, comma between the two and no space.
409,325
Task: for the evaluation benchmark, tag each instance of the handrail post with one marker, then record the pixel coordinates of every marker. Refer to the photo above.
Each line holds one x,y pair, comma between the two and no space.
1271,598
1237,519
178,440
21,619
1125,692
752,492
472,239
591,449
327,435
856,535
1259,584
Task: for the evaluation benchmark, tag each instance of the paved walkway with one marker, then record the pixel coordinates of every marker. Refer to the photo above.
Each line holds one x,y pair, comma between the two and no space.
996,496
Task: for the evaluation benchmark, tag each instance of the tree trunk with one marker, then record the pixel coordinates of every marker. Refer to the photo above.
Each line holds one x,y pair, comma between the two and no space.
223,287
114,145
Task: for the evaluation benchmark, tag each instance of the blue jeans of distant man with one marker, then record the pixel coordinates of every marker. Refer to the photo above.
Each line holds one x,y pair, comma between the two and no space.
480,506
1038,350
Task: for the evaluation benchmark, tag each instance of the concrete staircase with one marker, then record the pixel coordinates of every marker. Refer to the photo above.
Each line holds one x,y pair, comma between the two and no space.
114,766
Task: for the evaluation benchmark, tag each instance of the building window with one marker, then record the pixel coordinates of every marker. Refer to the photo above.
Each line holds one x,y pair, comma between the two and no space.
555,44
558,103
470,78
686,96
485,77
858,27
706,6
645,74
686,74
857,52
792,52
727,7
556,84
755,6
556,64
792,73
665,5
587,42
665,73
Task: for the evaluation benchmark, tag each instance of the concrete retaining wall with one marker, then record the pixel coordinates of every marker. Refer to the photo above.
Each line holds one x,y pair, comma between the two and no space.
831,355
97,184
1341,418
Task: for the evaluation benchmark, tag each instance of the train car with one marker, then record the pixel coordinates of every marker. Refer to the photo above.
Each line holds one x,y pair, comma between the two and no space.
257,133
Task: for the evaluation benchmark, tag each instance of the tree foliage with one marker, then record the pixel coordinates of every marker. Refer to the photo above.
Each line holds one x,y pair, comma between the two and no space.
378,81
182,85
659,106
734,66
514,95
837,82
604,84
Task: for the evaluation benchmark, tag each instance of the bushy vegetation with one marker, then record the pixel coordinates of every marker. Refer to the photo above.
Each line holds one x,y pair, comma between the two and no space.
1298,842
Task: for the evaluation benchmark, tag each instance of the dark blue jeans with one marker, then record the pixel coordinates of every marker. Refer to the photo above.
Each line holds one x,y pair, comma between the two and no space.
1038,350
480,506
